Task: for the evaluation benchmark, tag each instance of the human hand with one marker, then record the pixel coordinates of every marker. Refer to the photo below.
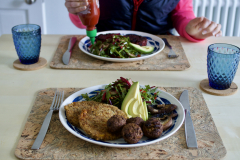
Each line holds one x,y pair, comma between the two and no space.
75,6
202,28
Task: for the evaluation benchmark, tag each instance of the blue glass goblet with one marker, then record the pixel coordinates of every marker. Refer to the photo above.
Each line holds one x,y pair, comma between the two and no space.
27,41
222,64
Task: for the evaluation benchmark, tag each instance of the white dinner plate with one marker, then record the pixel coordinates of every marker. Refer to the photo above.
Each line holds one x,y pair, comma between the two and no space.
120,143
152,40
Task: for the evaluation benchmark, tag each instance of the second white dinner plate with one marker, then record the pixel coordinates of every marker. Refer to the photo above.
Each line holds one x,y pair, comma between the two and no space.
152,40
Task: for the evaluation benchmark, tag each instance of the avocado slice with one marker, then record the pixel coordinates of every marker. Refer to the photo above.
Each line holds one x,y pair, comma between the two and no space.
131,95
145,111
132,104
133,109
142,49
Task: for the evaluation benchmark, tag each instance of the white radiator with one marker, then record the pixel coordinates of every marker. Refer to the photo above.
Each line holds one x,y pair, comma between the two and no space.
225,12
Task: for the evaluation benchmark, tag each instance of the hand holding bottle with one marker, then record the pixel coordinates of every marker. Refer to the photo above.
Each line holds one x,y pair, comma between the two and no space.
76,6
88,12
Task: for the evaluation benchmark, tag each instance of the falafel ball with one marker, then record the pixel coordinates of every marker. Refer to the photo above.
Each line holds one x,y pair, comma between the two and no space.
115,123
132,133
137,120
152,128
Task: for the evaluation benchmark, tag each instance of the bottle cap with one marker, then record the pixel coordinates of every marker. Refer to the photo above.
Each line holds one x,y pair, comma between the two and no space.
92,34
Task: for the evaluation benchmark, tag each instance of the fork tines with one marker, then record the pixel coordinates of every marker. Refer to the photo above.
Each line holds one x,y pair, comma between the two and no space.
57,100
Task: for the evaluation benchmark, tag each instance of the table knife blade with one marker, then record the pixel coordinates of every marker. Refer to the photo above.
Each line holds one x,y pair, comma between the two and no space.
66,56
189,128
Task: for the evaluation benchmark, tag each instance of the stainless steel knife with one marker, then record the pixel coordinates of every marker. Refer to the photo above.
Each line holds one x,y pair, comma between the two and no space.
66,56
189,129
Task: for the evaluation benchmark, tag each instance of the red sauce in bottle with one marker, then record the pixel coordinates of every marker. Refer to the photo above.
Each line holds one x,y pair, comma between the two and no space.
90,17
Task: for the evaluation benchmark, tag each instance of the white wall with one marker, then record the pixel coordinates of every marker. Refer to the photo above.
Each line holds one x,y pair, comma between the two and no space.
56,19
15,12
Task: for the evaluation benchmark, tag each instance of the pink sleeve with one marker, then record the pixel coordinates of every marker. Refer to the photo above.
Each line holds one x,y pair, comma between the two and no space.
181,15
76,21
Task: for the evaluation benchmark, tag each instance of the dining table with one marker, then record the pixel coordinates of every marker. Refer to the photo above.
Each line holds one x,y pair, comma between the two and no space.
19,88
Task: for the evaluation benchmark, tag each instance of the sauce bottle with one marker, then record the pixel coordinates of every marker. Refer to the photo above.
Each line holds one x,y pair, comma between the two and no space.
90,17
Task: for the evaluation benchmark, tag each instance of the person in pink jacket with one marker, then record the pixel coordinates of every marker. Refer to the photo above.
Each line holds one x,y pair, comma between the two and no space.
151,16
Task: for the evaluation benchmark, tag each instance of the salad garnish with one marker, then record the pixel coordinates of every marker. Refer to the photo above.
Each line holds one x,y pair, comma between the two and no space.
115,92
116,47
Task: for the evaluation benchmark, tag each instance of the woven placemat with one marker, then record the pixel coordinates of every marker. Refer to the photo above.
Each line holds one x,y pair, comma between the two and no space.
61,144
159,62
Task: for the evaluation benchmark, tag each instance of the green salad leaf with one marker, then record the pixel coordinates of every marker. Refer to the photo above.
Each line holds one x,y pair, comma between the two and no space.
117,47
115,92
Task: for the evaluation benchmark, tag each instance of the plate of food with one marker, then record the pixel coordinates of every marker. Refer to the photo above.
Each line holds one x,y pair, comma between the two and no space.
122,46
107,115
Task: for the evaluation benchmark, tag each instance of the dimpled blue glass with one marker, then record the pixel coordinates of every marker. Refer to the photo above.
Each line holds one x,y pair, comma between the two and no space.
222,64
27,41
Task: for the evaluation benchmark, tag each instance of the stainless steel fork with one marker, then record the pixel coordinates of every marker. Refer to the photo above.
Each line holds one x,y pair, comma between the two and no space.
57,101
171,53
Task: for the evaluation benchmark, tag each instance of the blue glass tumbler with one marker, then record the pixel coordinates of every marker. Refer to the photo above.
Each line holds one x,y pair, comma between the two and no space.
222,64
27,41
